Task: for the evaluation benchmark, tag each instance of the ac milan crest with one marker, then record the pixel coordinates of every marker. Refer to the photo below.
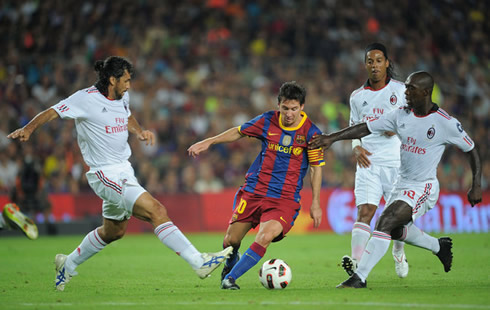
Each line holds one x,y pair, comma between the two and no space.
431,132
393,99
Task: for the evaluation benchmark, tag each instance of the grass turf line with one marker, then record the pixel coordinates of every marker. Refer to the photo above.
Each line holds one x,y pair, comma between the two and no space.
139,272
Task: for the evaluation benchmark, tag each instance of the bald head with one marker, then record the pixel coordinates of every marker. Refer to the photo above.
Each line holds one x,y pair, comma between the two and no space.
418,92
422,80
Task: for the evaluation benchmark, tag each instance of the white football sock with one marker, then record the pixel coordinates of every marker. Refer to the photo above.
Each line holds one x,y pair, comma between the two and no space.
360,236
91,245
398,247
172,237
417,237
375,250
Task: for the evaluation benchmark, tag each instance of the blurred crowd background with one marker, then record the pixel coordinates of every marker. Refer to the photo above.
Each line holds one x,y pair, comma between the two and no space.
204,66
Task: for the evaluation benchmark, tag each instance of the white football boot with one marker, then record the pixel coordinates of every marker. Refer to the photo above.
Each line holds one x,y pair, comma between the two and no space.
212,261
62,276
401,264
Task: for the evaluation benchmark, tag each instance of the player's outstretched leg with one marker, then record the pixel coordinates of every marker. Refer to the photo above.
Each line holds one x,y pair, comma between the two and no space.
16,219
445,253
349,265
353,282
62,276
212,261
401,263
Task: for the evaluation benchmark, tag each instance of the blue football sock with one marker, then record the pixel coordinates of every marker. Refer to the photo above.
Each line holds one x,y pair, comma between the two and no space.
249,259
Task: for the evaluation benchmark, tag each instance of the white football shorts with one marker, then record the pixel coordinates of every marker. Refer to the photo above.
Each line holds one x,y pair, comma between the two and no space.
374,182
421,196
117,186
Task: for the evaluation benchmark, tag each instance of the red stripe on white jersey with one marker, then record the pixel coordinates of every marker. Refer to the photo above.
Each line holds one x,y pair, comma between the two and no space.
443,114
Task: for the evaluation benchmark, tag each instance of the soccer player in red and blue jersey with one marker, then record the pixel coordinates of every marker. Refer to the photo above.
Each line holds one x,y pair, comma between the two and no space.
271,193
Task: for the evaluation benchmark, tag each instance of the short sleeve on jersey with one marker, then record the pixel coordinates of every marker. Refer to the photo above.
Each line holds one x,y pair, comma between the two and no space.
254,127
386,122
71,107
458,136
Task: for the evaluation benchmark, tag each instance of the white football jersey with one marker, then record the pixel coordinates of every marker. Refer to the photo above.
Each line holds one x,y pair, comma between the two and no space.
101,124
423,140
367,104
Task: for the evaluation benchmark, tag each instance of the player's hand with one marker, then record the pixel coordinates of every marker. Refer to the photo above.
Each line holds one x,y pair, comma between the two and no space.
316,213
361,155
22,133
322,140
197,148
147,136
389,133
474,195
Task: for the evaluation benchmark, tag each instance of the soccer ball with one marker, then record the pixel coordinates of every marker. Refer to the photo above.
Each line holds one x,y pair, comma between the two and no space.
275,274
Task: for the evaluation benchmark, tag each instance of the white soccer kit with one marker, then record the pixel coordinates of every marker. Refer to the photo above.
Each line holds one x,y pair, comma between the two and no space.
366,104
423,140
102,133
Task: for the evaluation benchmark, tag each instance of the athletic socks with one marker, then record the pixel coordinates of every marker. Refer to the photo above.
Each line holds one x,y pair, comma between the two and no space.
91,245
398,247
249,259
376,248
360,236
233,258
414,236
173,238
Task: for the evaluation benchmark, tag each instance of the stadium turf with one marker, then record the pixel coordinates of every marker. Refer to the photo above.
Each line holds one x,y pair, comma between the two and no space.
138,272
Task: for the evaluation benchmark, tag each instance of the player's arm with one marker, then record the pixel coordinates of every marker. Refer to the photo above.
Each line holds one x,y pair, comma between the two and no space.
42,118
227,136
326,140
360,153
474,194
143,135
316,185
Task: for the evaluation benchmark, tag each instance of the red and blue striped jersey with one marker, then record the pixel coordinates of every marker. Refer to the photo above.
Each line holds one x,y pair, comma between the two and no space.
280,167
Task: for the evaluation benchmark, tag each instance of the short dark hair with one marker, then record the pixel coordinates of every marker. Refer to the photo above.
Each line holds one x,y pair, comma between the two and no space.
292,91
390,71
111,66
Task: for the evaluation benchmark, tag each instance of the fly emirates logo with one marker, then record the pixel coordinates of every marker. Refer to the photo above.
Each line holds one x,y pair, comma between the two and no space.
376,113
410,147
120,126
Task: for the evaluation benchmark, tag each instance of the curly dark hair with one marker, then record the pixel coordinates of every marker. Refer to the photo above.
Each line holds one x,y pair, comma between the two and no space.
111,66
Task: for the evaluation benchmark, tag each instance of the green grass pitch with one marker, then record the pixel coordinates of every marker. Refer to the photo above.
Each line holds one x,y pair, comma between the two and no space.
138,272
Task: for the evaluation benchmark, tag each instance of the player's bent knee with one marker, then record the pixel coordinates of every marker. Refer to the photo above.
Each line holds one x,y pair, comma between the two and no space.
231,240
265,238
